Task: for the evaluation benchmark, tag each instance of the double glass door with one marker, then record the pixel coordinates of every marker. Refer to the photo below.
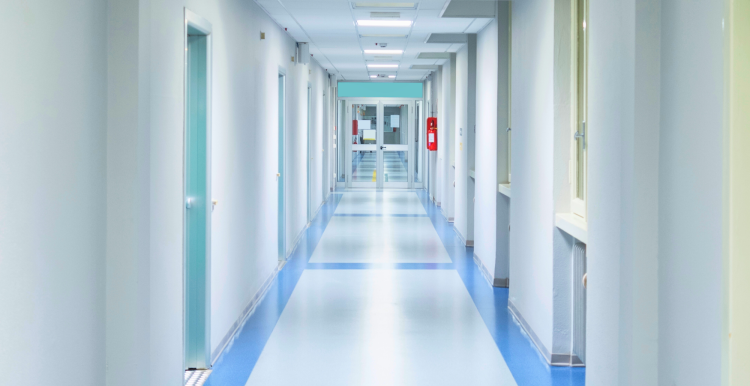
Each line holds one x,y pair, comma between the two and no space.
379,148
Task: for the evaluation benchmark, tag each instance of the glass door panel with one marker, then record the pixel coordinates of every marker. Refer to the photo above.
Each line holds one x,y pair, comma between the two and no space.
363,138
395,145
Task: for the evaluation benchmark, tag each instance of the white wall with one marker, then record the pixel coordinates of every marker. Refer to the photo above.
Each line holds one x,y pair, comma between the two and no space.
53,119
532,211
446,137
91,159
128,226
466,94
690,214
485,225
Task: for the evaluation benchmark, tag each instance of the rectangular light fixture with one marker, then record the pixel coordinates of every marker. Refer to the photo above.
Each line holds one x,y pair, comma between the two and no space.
373,76
384,23
392,76
384,52
382,65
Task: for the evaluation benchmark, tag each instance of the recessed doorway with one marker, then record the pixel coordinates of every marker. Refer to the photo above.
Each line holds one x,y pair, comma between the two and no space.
197,188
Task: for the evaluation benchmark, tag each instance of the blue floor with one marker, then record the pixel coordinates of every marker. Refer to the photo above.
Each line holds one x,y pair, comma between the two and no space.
527,366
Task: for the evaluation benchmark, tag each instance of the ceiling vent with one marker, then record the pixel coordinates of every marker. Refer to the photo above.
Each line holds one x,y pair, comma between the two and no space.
385,15
423,67
365,5
434,55
384,36
447,38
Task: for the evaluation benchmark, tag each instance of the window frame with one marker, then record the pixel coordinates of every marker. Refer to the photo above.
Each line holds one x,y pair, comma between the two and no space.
579,165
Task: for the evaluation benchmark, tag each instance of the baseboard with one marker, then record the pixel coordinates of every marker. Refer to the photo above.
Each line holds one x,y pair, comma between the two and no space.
460,236
466,243
526,327
483,269
566,360
245,313
296,241
315,214
502,283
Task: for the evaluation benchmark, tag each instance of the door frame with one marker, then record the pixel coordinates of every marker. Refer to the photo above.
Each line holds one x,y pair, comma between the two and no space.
380,103
309,153
281,167
348,161
410,147
193,20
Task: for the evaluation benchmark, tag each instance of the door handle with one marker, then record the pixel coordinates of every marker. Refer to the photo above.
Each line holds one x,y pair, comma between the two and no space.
188,203
581,135
382,147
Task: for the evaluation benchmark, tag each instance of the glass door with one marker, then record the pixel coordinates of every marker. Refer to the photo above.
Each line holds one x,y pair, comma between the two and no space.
395,145
381,143
363,157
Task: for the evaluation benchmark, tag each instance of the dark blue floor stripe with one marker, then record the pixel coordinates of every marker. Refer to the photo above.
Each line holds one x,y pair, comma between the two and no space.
380,266
524,361
378,215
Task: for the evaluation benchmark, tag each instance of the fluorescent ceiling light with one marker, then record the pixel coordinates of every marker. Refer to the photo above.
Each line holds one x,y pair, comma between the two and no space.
382,65
392,76
385,52
384,23
385,5
373,76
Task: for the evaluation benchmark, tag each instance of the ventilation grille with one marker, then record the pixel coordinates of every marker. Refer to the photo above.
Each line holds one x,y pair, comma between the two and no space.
579,302
196,377
385,15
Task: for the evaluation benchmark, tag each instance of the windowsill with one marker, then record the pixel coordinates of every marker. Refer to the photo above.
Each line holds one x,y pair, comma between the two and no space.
572,225
504,189
472,174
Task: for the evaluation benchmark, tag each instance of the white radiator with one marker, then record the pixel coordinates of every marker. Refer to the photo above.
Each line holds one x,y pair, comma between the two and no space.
579,302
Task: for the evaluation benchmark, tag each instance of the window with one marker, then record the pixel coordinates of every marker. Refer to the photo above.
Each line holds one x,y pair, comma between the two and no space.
580,133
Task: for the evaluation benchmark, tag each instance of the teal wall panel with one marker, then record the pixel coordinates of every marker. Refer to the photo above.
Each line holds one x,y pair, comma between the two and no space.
379,90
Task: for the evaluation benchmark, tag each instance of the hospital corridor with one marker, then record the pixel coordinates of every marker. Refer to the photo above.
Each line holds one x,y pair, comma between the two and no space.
346,193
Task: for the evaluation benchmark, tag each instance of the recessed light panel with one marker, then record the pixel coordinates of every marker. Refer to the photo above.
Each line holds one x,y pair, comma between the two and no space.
384,23
382,65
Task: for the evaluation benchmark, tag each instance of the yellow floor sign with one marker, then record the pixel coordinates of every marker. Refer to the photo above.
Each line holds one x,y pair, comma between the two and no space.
373,175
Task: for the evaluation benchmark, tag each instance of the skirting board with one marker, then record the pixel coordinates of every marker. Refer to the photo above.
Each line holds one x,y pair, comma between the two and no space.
561,360
502,283
296,241
483,269
466,243
245,313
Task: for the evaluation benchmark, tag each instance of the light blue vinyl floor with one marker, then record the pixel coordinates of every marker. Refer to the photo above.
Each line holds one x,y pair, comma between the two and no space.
382,292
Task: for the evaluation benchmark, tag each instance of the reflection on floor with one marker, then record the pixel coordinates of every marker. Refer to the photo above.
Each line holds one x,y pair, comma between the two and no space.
382,292
364,164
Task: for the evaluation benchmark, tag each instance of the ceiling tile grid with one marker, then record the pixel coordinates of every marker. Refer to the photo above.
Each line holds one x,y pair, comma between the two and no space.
337,41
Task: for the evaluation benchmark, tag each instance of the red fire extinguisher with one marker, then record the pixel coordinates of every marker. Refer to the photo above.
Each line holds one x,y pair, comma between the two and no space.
432,134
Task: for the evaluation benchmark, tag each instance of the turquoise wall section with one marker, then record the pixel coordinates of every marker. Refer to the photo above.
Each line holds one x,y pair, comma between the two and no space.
379,90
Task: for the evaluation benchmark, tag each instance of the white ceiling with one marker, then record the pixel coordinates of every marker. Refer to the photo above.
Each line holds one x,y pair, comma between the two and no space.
335,42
